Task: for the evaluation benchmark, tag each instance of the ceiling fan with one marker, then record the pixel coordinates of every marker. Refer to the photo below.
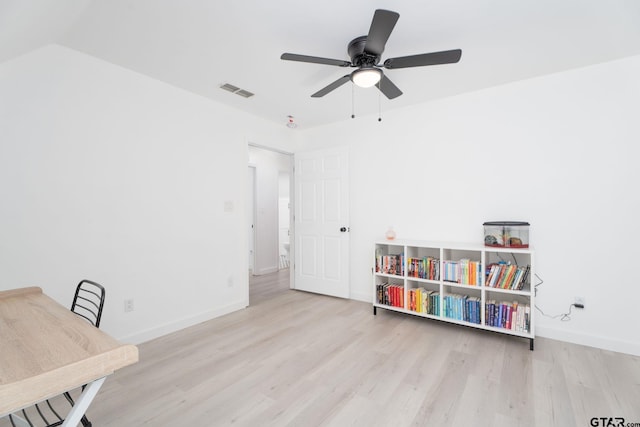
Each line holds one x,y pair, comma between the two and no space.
365,53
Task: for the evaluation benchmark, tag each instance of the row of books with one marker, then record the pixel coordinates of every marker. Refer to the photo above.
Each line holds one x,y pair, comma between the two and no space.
507,276
462,307
390,264
499,314
464,271
513,316
424,301
390,294
424,268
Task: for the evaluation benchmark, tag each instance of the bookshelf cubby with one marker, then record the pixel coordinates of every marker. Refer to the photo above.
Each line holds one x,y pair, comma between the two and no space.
468,284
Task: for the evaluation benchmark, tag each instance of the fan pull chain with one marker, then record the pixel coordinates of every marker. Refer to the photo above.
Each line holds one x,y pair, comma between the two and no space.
353,103
380,105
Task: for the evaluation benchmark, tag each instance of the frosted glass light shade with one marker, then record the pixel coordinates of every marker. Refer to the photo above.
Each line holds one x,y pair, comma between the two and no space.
366,77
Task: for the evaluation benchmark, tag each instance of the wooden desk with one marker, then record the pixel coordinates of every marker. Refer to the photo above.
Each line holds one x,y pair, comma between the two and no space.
45,350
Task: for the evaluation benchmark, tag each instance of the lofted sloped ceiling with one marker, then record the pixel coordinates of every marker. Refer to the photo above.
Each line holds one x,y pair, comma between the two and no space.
198,45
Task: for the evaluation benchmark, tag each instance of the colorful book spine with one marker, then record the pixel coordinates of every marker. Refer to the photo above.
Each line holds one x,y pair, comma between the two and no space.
390,264
462,307
507,276
464,271
508,315
390,294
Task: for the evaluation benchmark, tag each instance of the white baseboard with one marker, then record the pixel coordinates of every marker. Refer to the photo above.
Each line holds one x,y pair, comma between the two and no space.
167,328
267,270
589,340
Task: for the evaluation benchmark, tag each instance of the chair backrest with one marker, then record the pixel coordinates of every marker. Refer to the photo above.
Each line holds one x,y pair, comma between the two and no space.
88,301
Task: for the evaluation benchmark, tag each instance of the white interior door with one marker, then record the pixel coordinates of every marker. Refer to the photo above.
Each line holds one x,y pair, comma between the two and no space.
322,222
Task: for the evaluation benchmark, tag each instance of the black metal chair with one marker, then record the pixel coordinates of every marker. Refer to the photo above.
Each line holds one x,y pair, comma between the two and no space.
88,302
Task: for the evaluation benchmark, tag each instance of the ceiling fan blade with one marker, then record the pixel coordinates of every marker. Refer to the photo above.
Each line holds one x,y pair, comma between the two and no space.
387,87
322,92
434,58
314,59
380,30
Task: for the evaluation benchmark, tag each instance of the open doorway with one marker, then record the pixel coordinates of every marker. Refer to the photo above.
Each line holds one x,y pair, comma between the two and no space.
251,213
284,218
270,215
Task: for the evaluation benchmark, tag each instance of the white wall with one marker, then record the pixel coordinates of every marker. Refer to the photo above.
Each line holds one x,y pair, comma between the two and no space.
559,152
112,176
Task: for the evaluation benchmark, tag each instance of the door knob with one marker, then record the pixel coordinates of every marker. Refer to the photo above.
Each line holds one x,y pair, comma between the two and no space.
343,229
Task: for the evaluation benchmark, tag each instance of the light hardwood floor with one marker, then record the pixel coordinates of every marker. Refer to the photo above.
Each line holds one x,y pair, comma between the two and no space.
299,359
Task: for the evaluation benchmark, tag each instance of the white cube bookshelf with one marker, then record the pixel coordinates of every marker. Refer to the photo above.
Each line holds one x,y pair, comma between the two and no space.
489,288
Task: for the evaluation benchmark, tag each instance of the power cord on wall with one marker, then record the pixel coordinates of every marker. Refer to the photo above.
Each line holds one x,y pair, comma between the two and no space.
564,317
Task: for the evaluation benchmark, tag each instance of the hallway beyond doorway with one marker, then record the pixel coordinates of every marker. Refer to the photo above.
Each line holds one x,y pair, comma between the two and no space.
267,286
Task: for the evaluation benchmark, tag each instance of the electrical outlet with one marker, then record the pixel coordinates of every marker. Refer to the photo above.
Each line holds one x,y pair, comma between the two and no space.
579,302
128,305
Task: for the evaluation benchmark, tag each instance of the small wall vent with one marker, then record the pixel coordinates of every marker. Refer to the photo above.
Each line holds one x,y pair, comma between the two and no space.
235,89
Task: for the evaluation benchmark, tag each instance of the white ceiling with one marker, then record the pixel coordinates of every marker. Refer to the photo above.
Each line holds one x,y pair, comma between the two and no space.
198,45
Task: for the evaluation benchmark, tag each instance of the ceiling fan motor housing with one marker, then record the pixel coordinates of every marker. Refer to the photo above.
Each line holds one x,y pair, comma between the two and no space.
359,57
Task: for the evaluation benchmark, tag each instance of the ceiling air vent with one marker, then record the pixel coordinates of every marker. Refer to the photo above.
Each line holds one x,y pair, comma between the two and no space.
244,93
234,89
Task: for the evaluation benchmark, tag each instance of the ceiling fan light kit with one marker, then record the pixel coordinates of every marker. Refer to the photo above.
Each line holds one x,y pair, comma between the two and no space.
366,77
365,53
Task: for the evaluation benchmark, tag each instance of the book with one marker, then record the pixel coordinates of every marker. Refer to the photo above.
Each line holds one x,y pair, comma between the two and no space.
492,272
525,277
498,276
434,303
